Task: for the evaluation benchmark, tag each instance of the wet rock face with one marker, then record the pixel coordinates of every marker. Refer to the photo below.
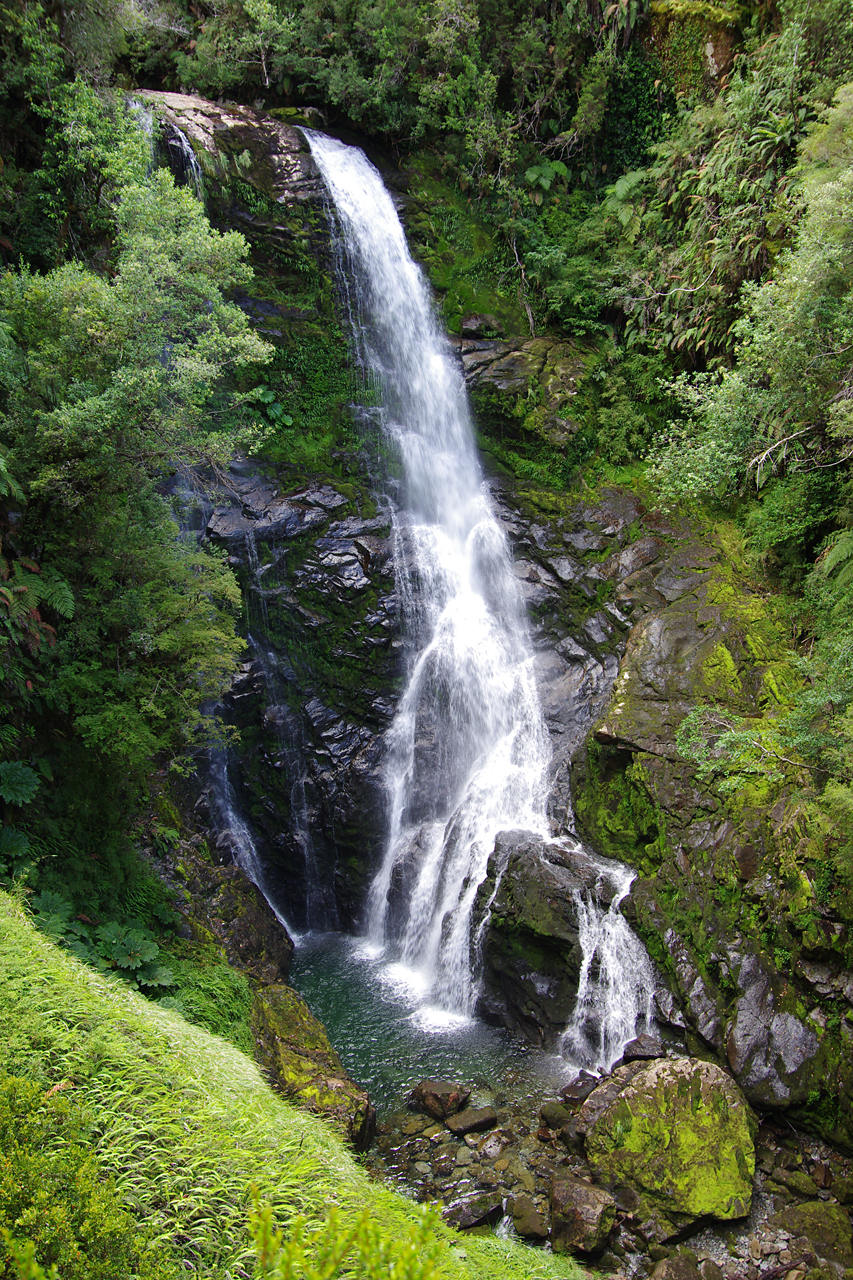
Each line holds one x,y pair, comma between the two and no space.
775,1057
224,905
293,1047
680,1134
531,954
314,701
710,890
501,374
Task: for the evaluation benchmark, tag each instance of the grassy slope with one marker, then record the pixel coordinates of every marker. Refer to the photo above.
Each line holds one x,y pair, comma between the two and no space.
185,1121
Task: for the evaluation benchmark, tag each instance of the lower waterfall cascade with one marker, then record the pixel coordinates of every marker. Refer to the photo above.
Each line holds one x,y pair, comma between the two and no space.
468,750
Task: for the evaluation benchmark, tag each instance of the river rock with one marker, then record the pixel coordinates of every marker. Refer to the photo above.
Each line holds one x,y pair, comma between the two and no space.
554,1115
529,1221
479,1211
825,1226
642,1049
678,1268
472,1120
439,1098
581,1216
531,944
680,1133
294,1049
579,1089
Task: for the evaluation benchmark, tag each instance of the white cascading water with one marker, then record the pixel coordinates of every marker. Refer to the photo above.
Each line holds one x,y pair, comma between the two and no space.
615,999
469,749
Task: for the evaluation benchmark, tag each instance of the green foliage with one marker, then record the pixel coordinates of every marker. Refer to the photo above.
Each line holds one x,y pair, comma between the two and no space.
92,150
784,409
93,418
335,1250
624,401
129,949
63,1212
18,782
208,992
184,1125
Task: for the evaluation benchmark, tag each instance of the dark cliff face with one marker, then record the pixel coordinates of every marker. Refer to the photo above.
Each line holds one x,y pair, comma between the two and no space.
317,693
635,619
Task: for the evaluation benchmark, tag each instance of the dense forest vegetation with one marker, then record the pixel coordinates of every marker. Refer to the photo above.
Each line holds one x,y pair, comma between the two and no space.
692,230
689,225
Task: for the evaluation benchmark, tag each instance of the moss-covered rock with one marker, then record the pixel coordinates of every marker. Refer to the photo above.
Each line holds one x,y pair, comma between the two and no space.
724,901
294,1049
523,391
825,1226
680,1134
221,905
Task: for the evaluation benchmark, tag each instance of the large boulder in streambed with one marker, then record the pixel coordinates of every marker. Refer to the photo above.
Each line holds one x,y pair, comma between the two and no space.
679,1133
531,949
581,1216
294,1049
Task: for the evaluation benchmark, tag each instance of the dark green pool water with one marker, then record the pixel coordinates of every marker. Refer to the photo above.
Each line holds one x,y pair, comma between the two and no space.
389,1037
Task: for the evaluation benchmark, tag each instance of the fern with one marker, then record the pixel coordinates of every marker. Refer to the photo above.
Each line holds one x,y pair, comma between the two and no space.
839,555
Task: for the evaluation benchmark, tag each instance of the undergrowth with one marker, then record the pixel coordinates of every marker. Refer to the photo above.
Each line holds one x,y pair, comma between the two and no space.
185,1126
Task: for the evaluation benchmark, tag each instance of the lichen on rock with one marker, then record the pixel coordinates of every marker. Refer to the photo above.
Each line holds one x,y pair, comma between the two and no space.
295,1050
680,1133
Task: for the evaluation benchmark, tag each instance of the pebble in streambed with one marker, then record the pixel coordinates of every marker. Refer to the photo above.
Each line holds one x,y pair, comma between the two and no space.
479,1153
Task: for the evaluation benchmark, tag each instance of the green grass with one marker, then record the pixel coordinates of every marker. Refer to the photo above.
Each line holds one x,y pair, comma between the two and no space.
185,1124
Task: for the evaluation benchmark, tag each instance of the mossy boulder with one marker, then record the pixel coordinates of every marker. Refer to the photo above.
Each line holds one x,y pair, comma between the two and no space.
523,389
679,1133
295,1051
825,1226
528,914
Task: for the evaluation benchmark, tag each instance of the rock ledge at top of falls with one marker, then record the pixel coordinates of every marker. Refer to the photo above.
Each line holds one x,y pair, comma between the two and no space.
232,142
679,1133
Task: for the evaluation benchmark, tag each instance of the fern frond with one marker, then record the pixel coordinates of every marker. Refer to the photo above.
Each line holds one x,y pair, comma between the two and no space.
57,594
839,555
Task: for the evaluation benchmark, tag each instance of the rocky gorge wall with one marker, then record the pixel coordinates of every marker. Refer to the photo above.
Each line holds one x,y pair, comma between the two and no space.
636,617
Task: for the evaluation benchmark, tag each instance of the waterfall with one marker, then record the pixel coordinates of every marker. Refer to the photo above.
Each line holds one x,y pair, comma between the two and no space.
615,998
468,748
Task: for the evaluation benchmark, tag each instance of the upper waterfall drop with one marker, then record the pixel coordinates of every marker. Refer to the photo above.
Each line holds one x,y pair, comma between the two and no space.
468,750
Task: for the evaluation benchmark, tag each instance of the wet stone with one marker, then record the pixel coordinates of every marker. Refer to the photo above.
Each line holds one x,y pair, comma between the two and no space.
473,1120
478,1211
529,1221
554,1115
439,1098
494,1144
